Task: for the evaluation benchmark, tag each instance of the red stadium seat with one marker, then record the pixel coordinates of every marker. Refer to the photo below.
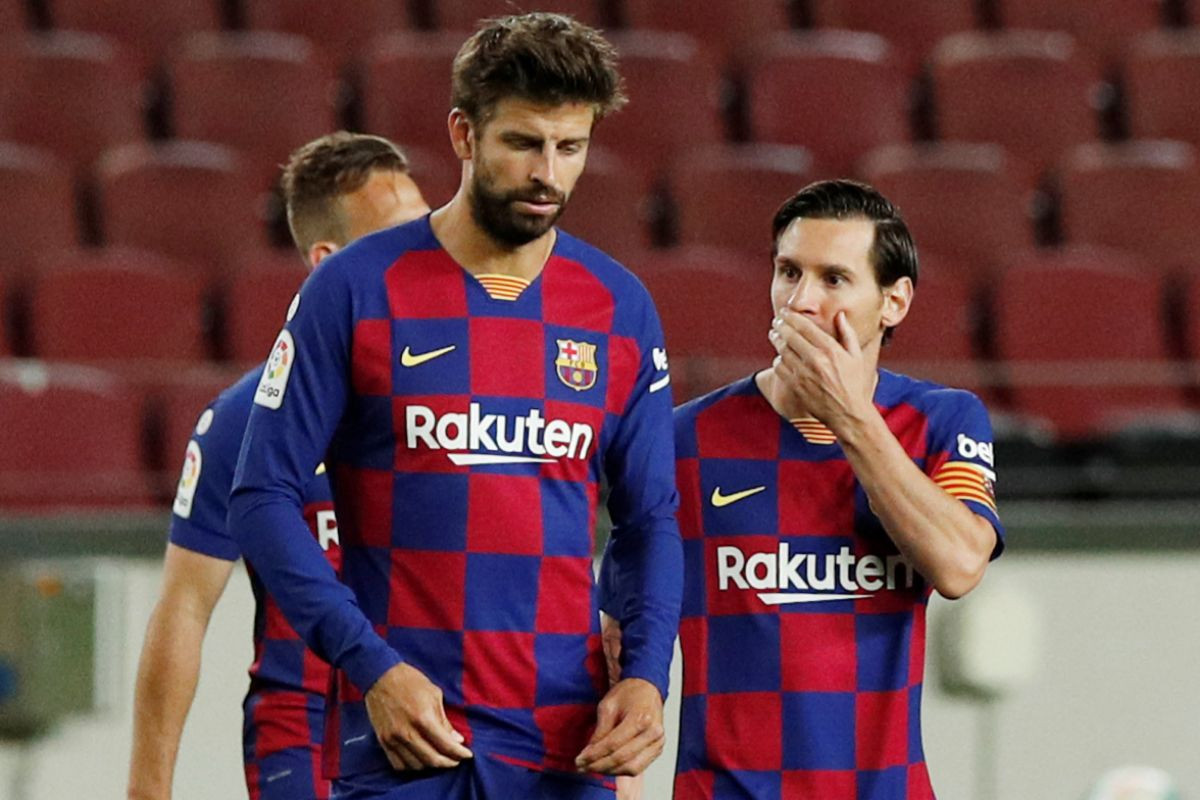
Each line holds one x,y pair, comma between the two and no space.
1138,196
116,305
727,195
406,88
13,16
341,29
674,96
256,302
190,200
837,93
71,439
1104,27
693,289
946,191
96,98
437,172
1162,72
1028,91
610,207
728,26
264,94
1082,340
146,31
465,15
5,319
39,205
912,27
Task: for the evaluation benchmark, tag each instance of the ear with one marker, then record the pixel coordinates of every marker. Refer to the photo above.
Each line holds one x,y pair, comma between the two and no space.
320,251
462,134
897,299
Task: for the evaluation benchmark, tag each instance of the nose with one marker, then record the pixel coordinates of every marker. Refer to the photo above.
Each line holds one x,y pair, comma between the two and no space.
803,298
544,169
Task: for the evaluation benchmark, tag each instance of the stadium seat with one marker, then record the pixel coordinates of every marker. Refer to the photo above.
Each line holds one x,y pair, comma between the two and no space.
340,29
1082,341
727,195
96,98
406,88
438,172
1104,27
674,92
1162,72
945,190
145,31
190,200
912,27
71,439
1191,316
838,93
728,26
13,16
1028,91
5,319
1138,196
116,305
693,288
37,189
263,93
464,15
256,302
610,207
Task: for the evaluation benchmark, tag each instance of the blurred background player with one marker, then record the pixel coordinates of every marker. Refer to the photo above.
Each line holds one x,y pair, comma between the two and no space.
468,379
821,500
336,188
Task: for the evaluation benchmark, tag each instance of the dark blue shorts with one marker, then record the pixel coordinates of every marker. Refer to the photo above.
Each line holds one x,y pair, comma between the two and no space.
481,778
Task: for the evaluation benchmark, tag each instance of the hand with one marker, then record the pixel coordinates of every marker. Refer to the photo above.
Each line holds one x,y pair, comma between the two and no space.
831,378
406,710
610,638
629,730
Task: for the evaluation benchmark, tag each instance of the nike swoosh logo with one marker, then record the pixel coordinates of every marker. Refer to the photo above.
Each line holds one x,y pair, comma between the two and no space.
721,500
410,359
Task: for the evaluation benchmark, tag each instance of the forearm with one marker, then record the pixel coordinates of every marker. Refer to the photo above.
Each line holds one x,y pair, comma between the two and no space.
944,540
166,685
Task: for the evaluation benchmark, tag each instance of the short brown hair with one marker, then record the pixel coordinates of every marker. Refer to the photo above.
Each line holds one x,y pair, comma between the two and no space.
323,170
549,59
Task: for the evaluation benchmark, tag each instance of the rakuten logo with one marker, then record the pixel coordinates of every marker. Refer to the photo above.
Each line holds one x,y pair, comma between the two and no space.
809,577
489,437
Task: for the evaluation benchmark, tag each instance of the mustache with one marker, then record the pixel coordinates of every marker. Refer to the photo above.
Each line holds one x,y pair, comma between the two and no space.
543,195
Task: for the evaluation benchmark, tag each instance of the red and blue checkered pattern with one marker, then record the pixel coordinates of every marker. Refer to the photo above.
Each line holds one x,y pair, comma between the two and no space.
812,688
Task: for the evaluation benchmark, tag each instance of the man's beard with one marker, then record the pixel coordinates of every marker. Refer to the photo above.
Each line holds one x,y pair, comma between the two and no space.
495,212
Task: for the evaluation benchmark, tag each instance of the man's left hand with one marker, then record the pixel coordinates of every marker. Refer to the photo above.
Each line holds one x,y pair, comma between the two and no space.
629,730
830,377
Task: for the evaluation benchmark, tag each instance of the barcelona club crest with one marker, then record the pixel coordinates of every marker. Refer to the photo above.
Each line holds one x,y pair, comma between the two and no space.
576,364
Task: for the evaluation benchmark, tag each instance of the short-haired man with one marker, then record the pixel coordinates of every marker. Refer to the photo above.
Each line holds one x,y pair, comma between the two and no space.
336,188
468,379
821,501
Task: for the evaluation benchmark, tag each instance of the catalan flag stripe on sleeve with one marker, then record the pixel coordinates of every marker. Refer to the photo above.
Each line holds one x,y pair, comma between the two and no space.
966,481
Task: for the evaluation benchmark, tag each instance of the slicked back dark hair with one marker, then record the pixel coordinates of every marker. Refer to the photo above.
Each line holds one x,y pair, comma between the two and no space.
320,172
548,59
893,254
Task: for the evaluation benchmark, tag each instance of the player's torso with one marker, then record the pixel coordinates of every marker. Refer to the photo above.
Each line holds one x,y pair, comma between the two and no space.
801,621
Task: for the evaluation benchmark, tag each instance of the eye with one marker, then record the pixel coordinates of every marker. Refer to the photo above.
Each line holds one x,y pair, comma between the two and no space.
570,148
834,279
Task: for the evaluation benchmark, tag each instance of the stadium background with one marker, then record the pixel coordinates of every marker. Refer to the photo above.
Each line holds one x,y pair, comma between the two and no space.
1043,152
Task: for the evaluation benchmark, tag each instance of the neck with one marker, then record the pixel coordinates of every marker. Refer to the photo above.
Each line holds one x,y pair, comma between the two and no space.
479,253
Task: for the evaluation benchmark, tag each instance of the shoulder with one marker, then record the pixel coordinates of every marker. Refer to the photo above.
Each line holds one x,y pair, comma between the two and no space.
223,423
607,271
728,400
926,396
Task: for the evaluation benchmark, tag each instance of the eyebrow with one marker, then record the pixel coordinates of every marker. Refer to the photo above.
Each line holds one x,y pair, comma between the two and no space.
841,269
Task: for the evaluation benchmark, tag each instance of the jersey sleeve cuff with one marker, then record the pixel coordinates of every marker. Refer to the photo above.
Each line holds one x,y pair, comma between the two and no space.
365,669
198,540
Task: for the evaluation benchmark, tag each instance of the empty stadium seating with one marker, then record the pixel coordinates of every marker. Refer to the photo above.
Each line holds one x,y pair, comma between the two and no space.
1162,72
190,200
1138,196
71,438
945,191
464,15
263,93
96,96
727,195
726,26
1104,27
912,27
837,93
145,31
610,207
256,302
116,306
406,87
1082,336
39,202
338,28
437,171
1028,91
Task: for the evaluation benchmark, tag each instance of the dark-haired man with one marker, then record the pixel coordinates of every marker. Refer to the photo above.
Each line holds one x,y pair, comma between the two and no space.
821,500
336,188
468,379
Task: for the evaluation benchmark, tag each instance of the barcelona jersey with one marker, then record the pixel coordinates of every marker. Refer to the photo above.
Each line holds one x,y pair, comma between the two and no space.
467,431
803,627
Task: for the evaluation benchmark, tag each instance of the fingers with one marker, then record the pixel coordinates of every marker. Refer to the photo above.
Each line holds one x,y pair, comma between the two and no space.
846,335
628,749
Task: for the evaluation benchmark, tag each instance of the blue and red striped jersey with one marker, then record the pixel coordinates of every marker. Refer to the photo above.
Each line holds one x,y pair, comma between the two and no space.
281,659
466,437
803,629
